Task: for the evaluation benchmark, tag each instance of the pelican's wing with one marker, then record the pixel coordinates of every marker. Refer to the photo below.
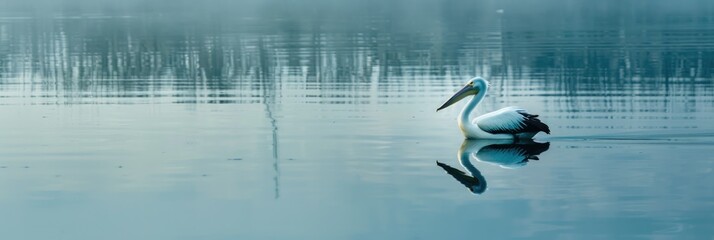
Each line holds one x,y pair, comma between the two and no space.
511,120
462,177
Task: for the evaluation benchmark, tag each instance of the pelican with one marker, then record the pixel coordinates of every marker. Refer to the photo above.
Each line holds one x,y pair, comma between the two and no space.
506,123
505,153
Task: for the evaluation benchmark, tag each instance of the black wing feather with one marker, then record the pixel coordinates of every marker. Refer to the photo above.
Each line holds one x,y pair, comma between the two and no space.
531,123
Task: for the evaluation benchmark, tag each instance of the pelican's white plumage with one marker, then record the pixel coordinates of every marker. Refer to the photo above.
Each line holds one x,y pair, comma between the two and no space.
506,123
503,119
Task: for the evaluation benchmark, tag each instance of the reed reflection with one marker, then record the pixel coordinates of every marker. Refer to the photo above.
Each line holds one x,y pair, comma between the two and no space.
504,153
117,54
575,73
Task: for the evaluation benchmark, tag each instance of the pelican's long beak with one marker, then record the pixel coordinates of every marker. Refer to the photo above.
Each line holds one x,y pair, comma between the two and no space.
461,94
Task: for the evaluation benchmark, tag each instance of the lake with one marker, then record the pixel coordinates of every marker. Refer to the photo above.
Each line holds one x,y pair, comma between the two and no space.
317,120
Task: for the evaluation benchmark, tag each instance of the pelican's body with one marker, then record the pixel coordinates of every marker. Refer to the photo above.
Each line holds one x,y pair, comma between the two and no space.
506,123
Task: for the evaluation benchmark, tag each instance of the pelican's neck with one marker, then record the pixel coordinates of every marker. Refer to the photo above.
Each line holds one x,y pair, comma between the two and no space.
465,116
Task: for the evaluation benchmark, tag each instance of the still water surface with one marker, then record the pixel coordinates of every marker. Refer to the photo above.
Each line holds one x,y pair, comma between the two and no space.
150,127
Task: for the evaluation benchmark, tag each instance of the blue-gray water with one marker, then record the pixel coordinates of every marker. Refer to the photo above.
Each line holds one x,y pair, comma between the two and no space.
319,122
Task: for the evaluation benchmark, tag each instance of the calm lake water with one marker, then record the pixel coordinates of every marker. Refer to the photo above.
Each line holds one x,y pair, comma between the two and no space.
323,126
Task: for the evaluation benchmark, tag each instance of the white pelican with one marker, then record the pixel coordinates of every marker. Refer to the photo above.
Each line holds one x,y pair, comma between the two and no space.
506,123
505,153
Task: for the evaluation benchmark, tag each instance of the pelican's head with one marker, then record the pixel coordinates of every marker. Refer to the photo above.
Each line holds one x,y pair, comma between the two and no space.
473,87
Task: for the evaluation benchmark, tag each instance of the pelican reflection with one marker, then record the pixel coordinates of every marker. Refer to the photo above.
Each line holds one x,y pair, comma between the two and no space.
504,153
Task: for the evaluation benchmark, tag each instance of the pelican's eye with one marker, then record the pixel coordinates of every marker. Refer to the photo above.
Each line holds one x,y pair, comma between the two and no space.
471,84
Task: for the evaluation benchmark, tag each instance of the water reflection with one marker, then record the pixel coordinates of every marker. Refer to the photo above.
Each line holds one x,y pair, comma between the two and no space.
475,183
579,79
149,57
504,153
